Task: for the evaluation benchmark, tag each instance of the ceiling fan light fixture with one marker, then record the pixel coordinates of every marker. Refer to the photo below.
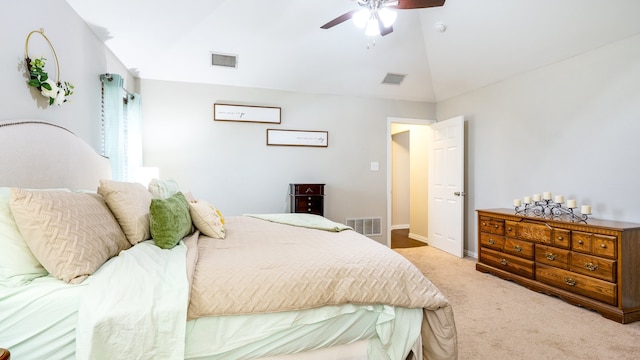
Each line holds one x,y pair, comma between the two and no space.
372,27
361,18
387,16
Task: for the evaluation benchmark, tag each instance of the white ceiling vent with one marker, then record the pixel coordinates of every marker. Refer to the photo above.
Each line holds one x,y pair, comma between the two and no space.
224,60
393,79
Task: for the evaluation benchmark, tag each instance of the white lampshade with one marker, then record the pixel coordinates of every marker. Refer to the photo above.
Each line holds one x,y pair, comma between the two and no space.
144,175
361,18
387,16
372,27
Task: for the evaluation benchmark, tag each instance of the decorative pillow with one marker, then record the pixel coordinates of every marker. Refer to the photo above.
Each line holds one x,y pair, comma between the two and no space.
129,202
18,266
170,220
162,189
207,219
71,234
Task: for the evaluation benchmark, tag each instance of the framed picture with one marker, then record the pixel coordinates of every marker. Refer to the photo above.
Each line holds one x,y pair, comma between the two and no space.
297,138
246,113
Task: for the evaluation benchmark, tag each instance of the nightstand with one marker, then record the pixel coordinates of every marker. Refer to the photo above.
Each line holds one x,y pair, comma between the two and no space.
307,198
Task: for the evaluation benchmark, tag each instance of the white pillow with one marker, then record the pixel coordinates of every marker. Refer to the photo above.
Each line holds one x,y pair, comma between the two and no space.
162,189
207,219
18,265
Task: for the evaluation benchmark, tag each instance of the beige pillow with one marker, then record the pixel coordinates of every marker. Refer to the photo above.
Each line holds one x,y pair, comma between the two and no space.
129,202
207,219
71,234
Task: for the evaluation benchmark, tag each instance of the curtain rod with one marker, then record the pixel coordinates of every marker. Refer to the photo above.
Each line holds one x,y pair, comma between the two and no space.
109,77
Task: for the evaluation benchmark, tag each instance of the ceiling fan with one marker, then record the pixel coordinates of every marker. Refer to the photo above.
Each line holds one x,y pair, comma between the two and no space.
377,16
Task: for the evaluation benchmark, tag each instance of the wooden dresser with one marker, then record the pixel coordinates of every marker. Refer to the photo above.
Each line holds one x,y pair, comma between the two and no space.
594,265
307,198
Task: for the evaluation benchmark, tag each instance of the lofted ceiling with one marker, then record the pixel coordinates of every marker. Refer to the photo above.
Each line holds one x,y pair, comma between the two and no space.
280,45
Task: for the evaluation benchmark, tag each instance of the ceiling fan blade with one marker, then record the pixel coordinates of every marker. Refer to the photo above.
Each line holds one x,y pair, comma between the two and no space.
417,4
339,20
386,30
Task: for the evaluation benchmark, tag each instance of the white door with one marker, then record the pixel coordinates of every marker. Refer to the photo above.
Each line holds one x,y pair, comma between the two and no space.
446,186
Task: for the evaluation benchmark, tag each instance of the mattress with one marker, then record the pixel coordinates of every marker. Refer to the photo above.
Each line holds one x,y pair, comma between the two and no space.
39,320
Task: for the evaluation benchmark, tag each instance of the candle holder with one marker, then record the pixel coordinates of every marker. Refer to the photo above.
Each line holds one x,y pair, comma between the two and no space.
550,210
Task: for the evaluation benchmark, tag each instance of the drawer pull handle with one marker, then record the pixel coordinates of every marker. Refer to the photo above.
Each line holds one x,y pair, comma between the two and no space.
604,246
560,238
504,261
484,224
551,256
491,242
517,248
570,281
591,266
495,226
509,229
580,242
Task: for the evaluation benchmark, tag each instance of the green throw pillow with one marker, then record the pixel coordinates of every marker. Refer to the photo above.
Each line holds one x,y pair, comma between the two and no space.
170,220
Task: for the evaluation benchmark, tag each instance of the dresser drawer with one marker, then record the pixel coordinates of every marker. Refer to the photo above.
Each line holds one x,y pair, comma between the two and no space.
491,240
491,225
581,241
593,266
552,256
580,284
561,238
512,264
308,204
307,189
523,249
534,232
604,245
511,229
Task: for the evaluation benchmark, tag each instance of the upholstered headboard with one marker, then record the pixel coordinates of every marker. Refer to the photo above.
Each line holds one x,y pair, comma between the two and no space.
36,154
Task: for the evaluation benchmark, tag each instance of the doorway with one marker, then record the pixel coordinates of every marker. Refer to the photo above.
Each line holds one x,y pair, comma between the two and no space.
407,201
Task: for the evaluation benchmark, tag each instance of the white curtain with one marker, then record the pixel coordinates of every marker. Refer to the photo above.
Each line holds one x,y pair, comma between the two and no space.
121,128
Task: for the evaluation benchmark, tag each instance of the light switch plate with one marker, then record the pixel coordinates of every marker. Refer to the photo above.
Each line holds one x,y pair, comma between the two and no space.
375,166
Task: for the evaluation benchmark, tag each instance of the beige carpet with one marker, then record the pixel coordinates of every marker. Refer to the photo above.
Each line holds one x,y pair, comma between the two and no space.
498,319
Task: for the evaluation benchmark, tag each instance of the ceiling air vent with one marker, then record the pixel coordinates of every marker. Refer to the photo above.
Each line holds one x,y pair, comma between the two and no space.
393,79
224,60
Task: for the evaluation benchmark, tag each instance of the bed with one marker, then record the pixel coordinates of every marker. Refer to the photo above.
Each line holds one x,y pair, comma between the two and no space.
83,276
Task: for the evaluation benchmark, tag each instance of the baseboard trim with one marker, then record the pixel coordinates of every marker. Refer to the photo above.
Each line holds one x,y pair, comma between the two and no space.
418,238
400,227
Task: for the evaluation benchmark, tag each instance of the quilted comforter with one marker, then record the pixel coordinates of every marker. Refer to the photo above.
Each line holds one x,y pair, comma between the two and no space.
264,266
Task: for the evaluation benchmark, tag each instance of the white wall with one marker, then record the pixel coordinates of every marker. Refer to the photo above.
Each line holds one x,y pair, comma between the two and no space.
82,58
400,179
571,128
230,165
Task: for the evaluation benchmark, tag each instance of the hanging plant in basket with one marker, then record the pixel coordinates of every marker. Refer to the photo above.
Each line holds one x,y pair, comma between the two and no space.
56,91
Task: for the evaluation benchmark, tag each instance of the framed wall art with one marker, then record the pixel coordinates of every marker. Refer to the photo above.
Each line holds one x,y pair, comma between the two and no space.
297,138
246,113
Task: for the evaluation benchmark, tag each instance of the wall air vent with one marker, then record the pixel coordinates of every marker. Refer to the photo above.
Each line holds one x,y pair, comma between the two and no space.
366,226
393,79
224,60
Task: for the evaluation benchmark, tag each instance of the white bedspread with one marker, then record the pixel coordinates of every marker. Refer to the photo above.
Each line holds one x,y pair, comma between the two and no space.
148,312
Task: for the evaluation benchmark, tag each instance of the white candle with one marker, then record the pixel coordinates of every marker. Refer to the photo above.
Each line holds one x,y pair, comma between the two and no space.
527,199
546,195
586,209
559,199
516,202
536,197
571,204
